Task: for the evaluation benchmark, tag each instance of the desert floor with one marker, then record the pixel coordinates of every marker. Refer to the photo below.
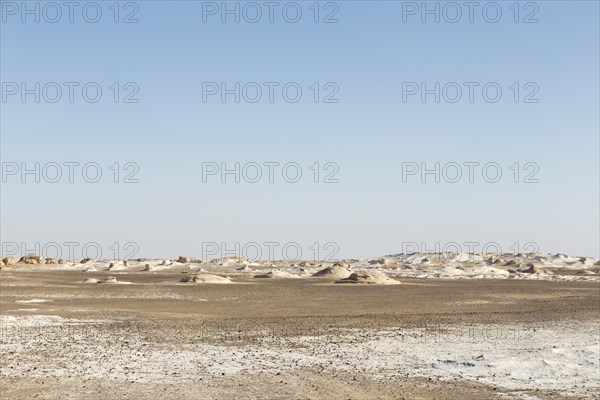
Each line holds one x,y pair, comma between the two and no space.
157,338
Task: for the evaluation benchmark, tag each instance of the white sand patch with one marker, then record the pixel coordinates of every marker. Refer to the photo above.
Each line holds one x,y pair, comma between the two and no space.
561,356
278,274
45,320
33,301
32,320
122,295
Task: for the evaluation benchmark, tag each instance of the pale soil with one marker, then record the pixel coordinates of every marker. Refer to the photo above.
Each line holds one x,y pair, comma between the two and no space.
293,338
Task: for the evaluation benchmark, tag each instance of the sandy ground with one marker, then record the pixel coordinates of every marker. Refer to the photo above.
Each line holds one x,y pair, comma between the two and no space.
295,338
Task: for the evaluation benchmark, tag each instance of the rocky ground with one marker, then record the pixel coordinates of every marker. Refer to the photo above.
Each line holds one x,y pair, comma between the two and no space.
71,334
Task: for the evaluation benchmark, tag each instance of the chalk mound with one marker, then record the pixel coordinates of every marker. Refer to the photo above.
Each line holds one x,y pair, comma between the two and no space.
110,280
533,269
205,278
90,269
115,266
372,278
148,268
335,271
587,260
32,259
9,261
276,274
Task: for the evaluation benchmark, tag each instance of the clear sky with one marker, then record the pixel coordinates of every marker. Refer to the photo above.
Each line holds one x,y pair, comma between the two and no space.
369,121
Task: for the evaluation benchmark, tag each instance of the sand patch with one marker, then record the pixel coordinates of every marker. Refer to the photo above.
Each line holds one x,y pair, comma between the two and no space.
33,301
277,274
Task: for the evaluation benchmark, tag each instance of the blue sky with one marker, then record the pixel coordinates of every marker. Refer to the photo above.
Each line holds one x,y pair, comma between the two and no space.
369,133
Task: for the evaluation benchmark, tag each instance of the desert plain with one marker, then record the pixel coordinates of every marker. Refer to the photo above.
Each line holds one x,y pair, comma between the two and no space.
404,326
